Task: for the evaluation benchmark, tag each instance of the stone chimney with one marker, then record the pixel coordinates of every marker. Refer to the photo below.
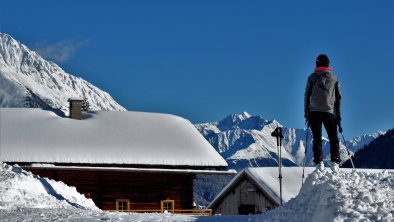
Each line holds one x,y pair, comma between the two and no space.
76,108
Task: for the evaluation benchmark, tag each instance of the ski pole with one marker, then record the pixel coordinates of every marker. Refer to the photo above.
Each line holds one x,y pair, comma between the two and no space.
344,143
278,134
280,168
306,147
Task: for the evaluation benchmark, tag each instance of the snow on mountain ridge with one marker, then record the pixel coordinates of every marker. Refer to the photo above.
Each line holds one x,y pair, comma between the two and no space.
244,140
247,142
27,80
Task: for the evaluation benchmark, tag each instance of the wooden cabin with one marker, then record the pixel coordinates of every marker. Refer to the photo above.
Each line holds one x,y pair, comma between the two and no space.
127,189
256,190
125,161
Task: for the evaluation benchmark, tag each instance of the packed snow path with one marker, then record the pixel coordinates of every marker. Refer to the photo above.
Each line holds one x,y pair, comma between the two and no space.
365,195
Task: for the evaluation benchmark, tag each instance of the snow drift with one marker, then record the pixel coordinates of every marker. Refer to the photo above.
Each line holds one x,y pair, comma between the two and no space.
22,189
363,195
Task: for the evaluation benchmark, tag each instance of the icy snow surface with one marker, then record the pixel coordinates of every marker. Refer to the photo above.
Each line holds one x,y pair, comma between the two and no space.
103,137
365,195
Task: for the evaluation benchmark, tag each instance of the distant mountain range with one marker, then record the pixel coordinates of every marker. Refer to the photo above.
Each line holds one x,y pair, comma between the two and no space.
28,80
245,141
378,154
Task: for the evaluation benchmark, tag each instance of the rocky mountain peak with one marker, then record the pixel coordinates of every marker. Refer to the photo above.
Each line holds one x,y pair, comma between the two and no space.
28,80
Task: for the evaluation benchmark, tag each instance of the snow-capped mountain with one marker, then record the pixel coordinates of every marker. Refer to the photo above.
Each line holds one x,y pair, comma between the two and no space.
246,141
28,80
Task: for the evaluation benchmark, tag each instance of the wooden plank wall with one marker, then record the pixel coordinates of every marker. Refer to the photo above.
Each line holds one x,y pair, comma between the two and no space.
144,190
230,204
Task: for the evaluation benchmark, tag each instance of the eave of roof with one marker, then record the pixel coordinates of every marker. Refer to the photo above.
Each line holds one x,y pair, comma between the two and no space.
125,169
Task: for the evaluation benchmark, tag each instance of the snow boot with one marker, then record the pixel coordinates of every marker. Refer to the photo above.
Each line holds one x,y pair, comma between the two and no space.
320,167
334,167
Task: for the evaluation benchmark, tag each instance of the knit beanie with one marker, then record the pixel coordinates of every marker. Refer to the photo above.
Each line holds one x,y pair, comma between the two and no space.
322,61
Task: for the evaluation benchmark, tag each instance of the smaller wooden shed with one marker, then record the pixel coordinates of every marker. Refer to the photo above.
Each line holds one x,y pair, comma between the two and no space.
256,190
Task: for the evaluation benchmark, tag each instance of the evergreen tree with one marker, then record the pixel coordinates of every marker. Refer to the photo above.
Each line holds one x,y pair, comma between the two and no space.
85,105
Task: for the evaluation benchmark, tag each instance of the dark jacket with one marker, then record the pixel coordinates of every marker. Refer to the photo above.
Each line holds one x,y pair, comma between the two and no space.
322,92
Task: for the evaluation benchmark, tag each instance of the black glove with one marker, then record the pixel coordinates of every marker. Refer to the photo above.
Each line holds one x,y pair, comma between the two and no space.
338,118
306,115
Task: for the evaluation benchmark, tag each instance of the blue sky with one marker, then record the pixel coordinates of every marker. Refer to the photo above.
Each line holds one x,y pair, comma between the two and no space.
204,60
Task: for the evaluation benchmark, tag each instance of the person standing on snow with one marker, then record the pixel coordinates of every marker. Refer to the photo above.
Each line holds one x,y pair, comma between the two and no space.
322,105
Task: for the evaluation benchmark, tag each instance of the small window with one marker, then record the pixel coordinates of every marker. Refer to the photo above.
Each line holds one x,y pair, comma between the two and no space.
167,206
122,204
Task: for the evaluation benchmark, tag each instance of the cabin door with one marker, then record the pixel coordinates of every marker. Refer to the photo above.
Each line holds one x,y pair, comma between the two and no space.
246,209
248,196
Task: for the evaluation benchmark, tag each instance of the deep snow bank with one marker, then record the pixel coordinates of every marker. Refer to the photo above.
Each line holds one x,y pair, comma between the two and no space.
364,195
22,189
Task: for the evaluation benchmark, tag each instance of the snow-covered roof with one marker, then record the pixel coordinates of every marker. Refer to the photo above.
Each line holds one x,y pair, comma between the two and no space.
76,99
267,179
103,137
